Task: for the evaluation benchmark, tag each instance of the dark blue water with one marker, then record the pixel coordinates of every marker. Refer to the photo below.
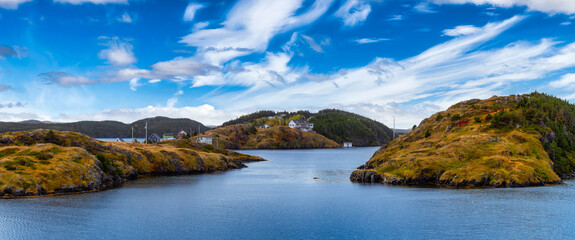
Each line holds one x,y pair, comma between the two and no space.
280,199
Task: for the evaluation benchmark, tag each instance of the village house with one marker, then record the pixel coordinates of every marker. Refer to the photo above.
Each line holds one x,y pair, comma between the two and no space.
168,136
182,134
302,125
347,144
154,138
206,140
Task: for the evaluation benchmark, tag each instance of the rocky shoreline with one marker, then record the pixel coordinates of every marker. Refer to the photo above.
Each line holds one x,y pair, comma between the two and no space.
369,176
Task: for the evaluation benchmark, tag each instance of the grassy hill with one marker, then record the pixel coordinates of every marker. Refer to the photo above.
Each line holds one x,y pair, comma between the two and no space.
49,162
339,126
110,129
245,136
512,141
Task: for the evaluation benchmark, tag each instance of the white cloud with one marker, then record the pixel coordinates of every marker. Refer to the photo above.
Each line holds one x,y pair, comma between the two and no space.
154,80
174,99
424,7
191,10
65,79
249,27
565,23
455,70
205,114
12,4
134,84
461,30
298,42
370,40
547,6
125,18
396,18
566,81
200,25
76,2
181,68
118,53
353,12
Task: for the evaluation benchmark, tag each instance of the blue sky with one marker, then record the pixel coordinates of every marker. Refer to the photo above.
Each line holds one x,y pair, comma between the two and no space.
212,61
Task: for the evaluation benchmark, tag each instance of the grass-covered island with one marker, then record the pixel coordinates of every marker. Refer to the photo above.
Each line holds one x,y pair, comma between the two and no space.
513,141
42,162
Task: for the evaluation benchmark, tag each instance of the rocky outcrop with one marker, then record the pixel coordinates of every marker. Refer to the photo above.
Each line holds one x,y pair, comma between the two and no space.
513,141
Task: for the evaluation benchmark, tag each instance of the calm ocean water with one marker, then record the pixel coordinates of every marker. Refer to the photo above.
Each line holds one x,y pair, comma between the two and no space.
297,194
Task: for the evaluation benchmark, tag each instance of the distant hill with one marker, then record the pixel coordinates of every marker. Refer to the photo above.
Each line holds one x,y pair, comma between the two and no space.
511,141
337,125
342,126
110,129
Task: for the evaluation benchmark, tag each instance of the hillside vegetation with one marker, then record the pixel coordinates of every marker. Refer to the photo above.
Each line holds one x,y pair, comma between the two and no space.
339,126
512,141
110,129
47,162
245,136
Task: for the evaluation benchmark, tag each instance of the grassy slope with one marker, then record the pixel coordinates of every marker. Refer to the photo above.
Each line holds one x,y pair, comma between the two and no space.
37,163
244,136
495,142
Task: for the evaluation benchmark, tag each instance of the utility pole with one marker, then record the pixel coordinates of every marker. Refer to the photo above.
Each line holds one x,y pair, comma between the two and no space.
146,140
393,128
132,133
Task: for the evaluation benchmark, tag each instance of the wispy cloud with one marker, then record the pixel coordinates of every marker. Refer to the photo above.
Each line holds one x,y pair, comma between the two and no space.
6,51
461,30
438,77
299,41
370,40
64,79
4,87
125,18
76,2
424,7
353,12
566,81
249,27
118,53
396,18
547,6
12,105
191,10
12,4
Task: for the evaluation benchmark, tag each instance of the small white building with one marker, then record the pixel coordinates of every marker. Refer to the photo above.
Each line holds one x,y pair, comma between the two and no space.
206,140
347,144
302,125
265,126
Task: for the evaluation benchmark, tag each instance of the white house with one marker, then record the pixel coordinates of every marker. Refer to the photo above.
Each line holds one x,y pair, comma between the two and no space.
301,125
347,144
207,140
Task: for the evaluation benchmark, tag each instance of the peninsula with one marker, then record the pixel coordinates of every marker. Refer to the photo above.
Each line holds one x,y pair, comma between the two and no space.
42,162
